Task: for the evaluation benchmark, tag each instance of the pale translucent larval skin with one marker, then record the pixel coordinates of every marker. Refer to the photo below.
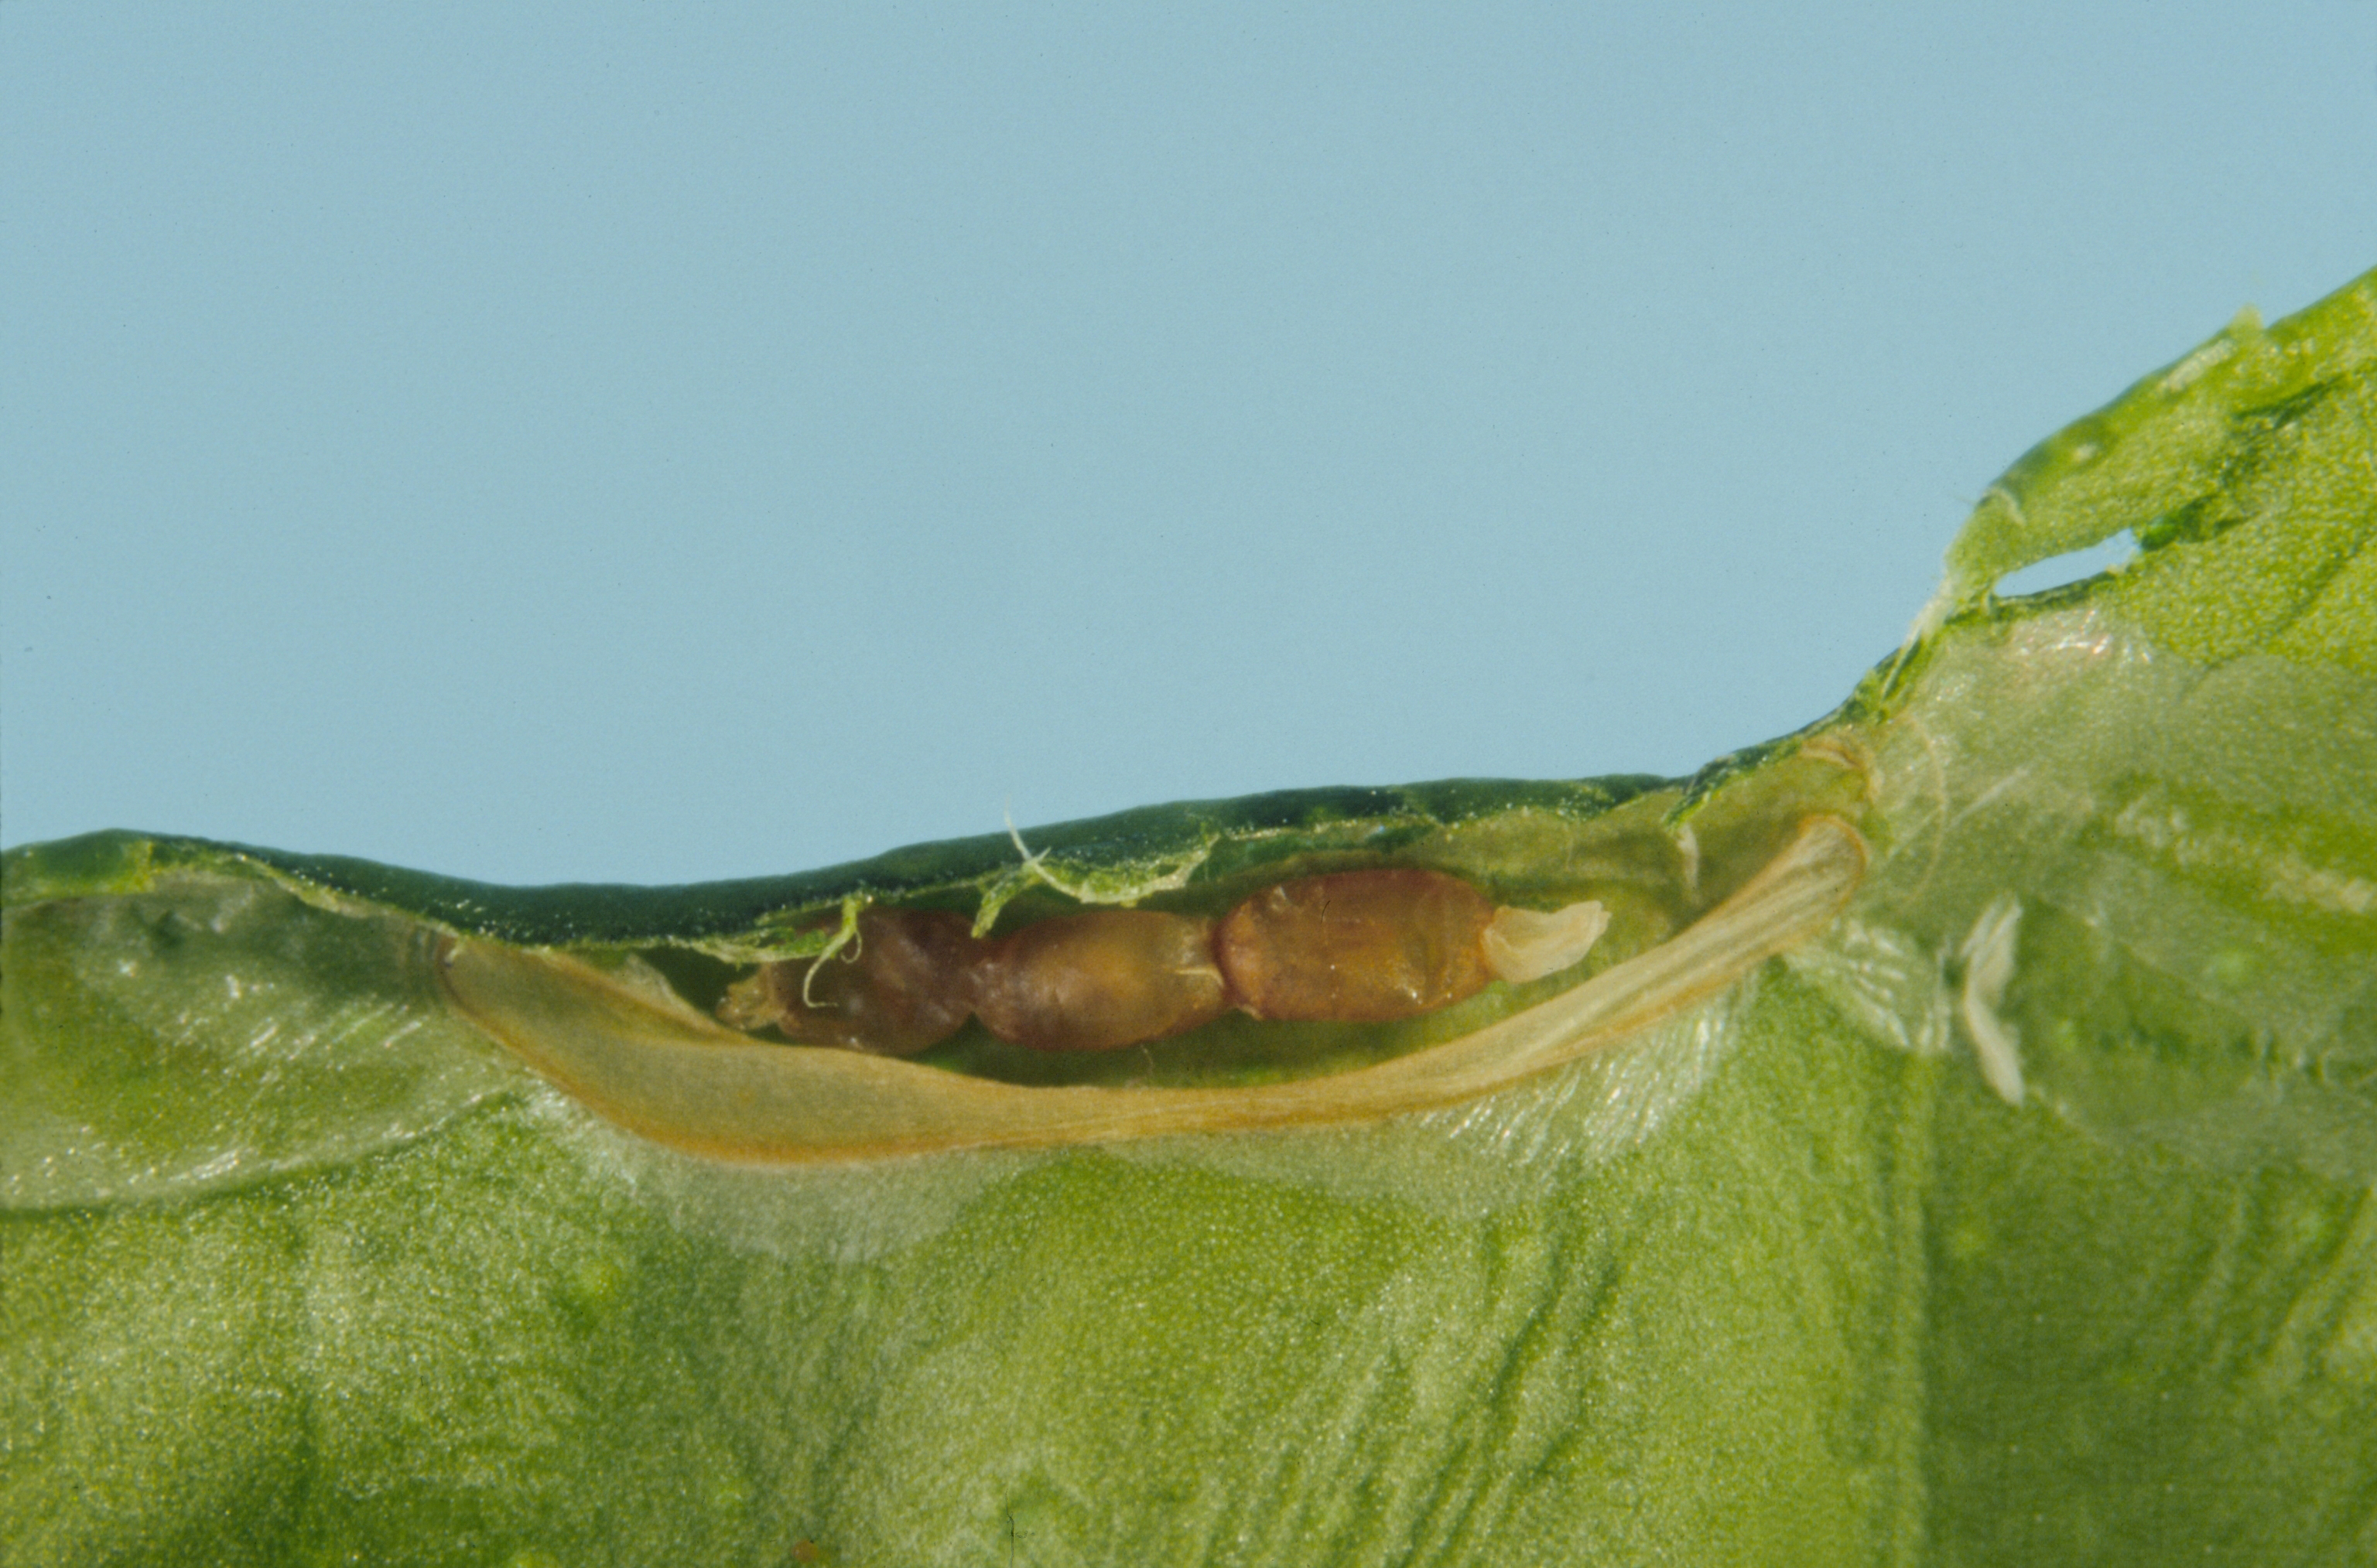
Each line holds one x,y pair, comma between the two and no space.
298,1269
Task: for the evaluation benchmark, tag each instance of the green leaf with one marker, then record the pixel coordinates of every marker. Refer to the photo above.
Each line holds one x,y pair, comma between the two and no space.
2022,1215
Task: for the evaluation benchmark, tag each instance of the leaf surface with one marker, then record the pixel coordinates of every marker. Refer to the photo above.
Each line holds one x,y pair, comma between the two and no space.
2022,1216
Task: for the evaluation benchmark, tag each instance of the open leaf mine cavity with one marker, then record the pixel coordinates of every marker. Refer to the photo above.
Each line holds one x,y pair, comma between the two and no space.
660,1069
181,1017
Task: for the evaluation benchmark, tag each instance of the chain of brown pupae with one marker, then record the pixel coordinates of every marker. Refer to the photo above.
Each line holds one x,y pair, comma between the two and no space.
1360,946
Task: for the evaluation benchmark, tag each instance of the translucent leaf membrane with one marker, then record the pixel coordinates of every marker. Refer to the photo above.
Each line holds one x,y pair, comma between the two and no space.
1465,1163
210,1032
2195,946
2162,782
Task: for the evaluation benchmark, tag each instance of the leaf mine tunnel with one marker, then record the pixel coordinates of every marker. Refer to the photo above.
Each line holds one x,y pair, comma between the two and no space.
1358,947
672,1075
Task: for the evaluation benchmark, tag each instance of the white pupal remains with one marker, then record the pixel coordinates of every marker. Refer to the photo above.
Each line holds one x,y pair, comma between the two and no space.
1526,945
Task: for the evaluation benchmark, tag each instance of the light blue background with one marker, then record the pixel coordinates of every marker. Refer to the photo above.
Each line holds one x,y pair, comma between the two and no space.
586,443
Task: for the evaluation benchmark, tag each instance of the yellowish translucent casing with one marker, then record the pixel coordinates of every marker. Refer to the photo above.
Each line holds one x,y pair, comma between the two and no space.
674,1077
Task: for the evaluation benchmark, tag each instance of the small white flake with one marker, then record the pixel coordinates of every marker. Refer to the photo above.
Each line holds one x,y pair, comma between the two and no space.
1988,954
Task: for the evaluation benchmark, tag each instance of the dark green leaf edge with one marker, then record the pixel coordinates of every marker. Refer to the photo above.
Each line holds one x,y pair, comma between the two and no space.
1261,828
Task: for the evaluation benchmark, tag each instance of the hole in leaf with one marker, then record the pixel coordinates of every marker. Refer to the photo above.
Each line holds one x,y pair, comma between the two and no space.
2061,571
